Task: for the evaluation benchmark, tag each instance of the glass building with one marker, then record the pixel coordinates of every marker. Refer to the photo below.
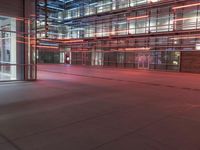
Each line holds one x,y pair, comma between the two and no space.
17,40
143,34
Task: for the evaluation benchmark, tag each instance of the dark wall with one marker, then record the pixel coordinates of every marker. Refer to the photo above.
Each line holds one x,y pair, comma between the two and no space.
49,57
12,8
190,61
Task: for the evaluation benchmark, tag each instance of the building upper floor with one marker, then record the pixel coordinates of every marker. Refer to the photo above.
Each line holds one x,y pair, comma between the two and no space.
168,17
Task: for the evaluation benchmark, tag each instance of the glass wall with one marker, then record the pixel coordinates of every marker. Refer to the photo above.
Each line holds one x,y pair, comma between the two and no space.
17,49
113,32
162,19
101,6
8,49
132,22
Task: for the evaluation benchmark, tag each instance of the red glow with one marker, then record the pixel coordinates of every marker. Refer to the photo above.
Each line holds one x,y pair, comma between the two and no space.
185,6
139,17
62,41
73,41
25,20
22,42
183,19
47,47
190,37
32,42
138,48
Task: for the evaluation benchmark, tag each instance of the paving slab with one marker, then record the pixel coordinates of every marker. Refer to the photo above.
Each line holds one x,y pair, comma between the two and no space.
87,108
134,142
7,146
82,136
179,133
2,140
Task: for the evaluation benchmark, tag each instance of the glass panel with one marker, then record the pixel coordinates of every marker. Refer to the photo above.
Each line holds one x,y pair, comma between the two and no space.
8,46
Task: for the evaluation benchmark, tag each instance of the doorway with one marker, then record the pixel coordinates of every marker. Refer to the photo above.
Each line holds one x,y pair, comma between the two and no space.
86,58
142,60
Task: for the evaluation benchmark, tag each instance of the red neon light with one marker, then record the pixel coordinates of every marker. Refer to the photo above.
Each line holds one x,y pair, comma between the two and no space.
62,41
32,42
185,6
33,15
139,17
73,41
50,40
48,47
139,48
22,42
183,19
25,37
190,37
112,32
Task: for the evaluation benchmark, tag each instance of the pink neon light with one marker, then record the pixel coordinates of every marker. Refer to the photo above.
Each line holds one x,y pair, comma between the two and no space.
183,19
185,6
73,41
139,17
63,41
139,48
22,42
48,47
190,37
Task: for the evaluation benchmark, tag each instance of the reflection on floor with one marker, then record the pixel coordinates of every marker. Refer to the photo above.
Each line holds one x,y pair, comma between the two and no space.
5,77
85,108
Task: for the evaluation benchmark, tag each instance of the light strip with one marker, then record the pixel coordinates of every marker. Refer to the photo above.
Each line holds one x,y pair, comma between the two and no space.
139,48
139,17
185,6
48,47
73,41
183,19
182,38
62,41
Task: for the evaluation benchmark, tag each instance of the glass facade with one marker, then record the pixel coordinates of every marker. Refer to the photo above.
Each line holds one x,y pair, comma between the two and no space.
125,33
17,42
8,48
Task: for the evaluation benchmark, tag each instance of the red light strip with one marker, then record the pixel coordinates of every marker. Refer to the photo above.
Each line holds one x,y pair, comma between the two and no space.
48,47
183,19
62,41
21,42
73,41
185,6
25,37
112,32
139,48
50,40
139,17
33,42
190,37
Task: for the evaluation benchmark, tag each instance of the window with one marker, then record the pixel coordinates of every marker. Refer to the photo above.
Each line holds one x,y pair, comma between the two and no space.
8,48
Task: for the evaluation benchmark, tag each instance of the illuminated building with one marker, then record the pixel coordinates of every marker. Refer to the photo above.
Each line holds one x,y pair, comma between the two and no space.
143,34
17,40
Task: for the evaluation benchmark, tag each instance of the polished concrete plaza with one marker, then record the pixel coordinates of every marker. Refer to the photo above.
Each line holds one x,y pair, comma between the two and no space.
85,108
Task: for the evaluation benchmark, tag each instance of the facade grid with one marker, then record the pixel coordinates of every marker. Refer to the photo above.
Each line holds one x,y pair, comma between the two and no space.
143,34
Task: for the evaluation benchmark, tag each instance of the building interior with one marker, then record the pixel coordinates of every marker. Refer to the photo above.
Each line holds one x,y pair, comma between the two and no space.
142,34
99,74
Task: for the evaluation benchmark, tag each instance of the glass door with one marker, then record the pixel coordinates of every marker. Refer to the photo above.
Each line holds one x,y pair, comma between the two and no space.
17,49
8,46
142,59
85,58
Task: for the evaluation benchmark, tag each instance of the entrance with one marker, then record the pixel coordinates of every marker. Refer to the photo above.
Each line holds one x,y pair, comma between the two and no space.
142,60
86,58
97,58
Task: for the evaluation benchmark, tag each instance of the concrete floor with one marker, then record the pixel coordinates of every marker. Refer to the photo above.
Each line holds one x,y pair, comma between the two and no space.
84,108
